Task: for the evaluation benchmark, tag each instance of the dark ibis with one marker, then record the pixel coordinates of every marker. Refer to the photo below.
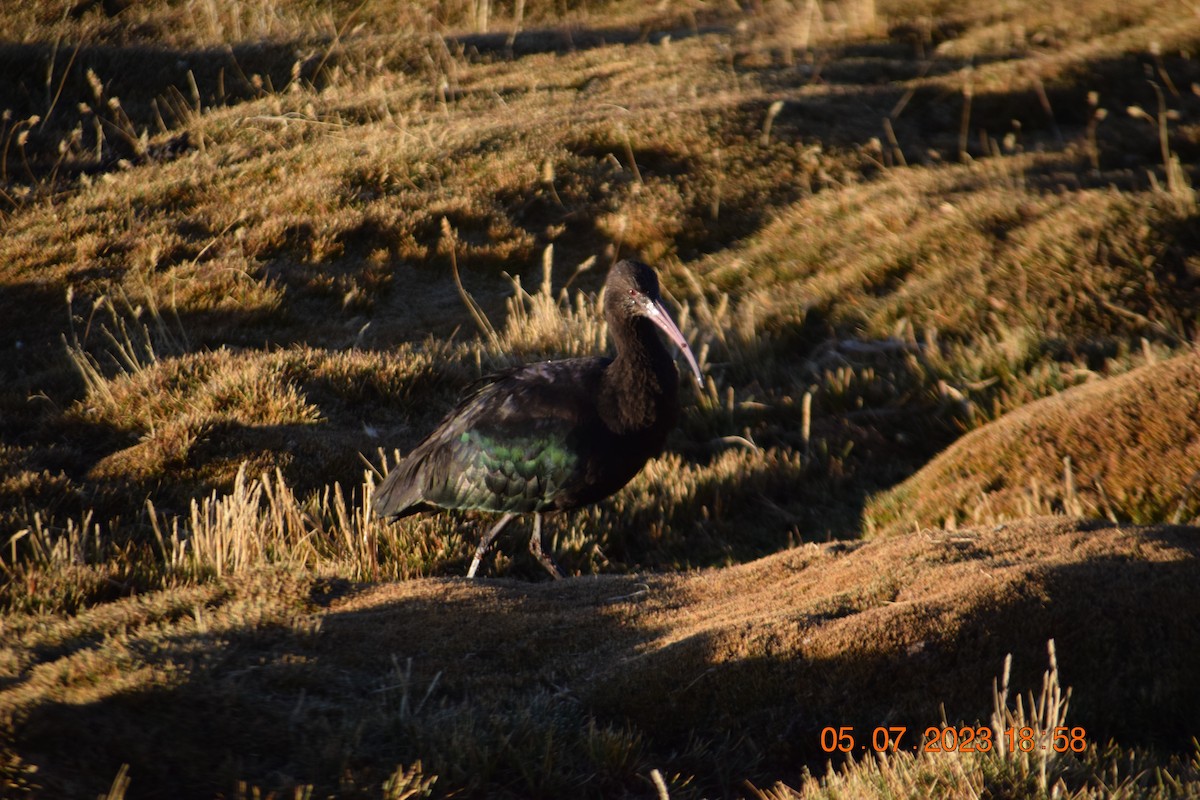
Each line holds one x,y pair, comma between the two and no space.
555,435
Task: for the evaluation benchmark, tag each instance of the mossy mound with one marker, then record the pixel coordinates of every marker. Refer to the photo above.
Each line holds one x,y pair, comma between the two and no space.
1133,445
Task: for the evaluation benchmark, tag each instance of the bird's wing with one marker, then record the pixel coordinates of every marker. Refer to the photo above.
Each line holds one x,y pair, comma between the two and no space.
520,441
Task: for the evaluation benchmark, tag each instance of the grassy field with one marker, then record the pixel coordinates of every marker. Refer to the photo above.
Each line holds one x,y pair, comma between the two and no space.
941,267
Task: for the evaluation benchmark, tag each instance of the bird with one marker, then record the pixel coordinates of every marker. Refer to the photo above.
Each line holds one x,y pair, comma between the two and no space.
554,435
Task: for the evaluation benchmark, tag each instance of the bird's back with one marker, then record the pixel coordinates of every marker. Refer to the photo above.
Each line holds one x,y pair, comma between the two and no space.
527,439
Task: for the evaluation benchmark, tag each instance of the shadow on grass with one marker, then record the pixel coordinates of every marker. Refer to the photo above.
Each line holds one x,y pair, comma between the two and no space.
580,687
152,85
1127,634
474,680
871,84
575,38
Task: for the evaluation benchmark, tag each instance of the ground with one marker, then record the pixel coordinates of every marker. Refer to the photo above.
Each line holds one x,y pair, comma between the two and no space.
940,266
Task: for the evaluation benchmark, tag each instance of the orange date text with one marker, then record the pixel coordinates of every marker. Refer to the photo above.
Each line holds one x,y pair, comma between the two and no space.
951,739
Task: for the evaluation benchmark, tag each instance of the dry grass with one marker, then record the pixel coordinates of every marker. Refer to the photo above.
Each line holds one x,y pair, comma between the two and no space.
230,232
1035,765
509,688
1046,457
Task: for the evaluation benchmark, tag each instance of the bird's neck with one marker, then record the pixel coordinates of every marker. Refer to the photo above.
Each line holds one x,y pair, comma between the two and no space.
640,388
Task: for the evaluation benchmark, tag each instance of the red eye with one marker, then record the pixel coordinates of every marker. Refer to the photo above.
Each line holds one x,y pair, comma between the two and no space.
632,292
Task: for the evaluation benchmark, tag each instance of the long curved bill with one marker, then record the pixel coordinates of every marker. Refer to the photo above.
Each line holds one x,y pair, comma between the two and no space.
657,314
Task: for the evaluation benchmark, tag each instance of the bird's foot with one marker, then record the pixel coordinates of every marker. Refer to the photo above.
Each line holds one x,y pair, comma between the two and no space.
535,547
486,542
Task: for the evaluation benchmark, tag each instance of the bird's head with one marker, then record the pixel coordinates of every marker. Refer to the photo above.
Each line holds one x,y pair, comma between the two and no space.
631,291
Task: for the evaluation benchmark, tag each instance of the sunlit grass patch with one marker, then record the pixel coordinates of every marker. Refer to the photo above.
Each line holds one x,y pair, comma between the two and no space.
263,522
883,227
1124,449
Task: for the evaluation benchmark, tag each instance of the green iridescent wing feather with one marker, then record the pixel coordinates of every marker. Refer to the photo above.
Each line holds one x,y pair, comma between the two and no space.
517,443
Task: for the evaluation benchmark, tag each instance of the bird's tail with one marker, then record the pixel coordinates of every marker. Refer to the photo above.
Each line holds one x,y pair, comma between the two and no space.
400,493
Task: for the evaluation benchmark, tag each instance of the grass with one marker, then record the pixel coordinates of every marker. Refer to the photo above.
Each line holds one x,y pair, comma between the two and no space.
939,265
288,679
1046,769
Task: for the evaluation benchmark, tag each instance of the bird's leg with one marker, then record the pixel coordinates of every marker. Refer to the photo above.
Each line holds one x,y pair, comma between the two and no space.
535,547
486,541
